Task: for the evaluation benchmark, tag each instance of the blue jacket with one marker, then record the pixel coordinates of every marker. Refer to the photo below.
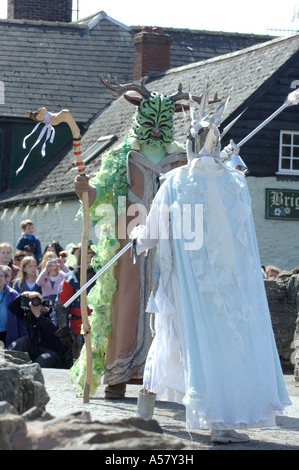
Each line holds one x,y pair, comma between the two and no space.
15,327
24,287
33,242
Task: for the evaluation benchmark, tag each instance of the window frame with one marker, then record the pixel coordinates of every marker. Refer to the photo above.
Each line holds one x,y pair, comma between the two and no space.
98,147
287,171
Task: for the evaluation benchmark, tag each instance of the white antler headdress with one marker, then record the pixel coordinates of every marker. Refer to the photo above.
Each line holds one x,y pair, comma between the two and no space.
204,136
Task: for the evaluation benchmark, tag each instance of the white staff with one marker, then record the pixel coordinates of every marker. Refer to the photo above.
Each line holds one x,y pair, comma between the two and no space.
98,274
291,100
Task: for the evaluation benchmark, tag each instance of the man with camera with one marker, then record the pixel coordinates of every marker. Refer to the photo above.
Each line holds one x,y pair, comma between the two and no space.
42,344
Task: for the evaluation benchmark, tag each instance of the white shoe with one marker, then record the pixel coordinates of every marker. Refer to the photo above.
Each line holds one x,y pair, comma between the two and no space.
145,405
226,437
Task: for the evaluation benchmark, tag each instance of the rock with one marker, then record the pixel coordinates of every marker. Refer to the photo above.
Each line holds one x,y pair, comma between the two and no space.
17,357
7,408
35,429
9,425
283,305
10,387
22,390
296,351
21,383
77,431
36,413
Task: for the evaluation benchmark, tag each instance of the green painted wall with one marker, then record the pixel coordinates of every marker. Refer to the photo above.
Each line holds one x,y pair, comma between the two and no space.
12,153
62,138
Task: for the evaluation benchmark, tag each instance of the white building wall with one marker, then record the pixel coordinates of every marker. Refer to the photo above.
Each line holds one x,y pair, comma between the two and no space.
278,240
52,221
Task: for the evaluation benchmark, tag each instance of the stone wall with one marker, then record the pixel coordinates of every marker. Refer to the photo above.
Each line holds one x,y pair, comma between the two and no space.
295,356
283,300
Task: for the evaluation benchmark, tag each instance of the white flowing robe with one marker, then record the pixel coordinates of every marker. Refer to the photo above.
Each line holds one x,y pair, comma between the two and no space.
214,348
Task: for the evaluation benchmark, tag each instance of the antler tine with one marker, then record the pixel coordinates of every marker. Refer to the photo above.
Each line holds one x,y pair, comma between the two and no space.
116,88
119,89
179,95
215,99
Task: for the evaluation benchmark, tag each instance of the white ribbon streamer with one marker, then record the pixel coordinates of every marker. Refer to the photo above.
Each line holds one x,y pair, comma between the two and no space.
48,129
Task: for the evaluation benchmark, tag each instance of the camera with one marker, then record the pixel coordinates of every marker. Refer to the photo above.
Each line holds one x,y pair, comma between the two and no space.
53,261
36,301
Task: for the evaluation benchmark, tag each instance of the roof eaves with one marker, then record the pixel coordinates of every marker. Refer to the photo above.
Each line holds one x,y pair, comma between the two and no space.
118,23
93,20
210,33
36,199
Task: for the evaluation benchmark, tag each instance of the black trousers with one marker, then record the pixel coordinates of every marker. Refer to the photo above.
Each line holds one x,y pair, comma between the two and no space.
3,338
43,356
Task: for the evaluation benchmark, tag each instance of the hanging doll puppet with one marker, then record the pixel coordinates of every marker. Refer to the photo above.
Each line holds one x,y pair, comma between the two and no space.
127,182
214,348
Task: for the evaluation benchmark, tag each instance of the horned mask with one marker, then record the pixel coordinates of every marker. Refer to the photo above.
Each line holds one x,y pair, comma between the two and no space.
153,121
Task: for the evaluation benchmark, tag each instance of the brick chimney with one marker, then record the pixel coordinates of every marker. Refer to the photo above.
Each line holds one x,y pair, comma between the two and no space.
46,10
151,51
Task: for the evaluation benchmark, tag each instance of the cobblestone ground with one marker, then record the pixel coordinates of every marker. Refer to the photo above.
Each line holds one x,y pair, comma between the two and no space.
64,399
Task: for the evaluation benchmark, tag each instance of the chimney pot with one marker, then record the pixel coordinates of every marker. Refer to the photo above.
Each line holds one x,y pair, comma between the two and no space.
151,51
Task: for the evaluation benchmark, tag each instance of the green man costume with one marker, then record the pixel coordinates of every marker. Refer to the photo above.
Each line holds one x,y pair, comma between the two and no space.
127,181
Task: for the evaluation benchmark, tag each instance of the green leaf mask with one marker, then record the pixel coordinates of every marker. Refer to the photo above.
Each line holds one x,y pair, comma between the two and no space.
153,120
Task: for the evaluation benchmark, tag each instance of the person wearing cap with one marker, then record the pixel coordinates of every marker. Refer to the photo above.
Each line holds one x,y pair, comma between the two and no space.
67,288
284,275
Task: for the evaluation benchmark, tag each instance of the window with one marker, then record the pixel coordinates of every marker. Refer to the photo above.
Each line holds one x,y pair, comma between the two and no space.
289,152
98,147
2,93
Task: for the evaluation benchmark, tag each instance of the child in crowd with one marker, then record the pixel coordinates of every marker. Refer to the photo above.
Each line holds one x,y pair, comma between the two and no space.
67,288
8,273
52,273
8,324
18,257
72,258
6,260
55,247
28,250
272,272
26,279
28,238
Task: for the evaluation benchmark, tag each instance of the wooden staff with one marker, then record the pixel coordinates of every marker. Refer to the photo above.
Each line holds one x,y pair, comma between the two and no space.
55,119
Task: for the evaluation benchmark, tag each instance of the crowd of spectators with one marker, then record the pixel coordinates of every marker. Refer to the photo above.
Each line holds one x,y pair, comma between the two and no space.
34,285
30,282
273,273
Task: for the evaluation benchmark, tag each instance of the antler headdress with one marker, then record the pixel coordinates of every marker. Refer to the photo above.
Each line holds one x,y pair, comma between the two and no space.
204,136
139,87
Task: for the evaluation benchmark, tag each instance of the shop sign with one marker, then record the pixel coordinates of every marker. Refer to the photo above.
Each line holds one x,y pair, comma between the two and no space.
282,204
